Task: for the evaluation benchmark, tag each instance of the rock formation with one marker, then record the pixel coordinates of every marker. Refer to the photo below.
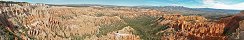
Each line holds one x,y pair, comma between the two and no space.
43,22
199,28
25,21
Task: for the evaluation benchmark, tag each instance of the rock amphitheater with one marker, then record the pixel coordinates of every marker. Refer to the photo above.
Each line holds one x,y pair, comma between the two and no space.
199,28
25,21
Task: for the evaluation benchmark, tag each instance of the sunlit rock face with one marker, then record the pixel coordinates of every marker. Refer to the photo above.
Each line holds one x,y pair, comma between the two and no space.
43,22
199,28
242,28
195,27
124,34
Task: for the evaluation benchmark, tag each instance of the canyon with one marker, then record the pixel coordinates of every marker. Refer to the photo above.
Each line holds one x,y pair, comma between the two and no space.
26,21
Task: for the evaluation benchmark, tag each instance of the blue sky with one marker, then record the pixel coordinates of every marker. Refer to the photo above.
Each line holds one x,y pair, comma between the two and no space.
218,4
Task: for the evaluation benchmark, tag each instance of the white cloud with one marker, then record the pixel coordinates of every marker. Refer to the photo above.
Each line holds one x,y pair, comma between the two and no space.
208,1
176,5
221,5
239,6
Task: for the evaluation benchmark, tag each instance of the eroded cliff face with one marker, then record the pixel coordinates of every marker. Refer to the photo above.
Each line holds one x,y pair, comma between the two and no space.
43,22
124,34
242,25
199,28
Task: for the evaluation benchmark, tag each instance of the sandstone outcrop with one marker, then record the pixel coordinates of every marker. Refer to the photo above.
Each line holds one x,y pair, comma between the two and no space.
43,22
199,28
26,21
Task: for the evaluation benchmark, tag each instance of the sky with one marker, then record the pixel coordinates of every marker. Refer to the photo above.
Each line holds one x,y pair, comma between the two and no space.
217,4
